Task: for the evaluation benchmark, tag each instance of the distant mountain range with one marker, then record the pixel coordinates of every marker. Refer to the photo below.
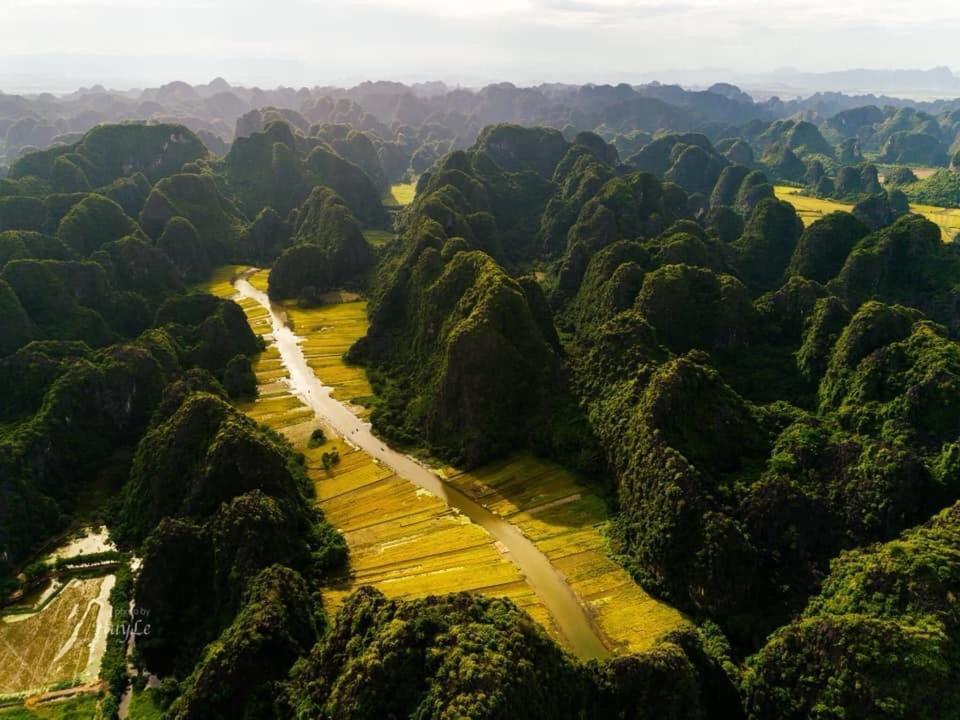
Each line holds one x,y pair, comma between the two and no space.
788,83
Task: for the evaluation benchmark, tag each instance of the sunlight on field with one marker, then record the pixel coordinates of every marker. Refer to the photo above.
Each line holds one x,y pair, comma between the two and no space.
564,520
402,540
406,542
274,405
329,331
410,544
219,281
61,644
947,218
811,209
400,194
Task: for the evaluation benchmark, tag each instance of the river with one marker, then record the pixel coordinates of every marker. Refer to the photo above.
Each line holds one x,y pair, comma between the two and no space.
570,616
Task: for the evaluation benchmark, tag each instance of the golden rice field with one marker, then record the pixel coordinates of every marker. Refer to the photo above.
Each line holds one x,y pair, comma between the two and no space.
565,520
947,218
811,209
328,332
60,645
406,542
402,540
400,194
274,405
409,543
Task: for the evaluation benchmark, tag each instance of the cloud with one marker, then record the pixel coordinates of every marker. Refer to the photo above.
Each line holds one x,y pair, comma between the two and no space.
478,40
449,8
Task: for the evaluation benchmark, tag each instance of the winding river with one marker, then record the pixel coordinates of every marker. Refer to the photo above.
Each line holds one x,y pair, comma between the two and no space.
570,616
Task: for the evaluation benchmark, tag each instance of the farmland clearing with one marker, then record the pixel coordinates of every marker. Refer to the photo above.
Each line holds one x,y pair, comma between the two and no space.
54,637
400,194
522,528
61,645
810,209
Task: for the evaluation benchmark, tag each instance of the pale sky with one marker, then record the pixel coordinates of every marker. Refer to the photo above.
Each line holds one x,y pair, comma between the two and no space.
127,43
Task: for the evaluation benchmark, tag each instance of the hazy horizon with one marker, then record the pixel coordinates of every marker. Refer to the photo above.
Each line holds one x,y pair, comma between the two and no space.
61,45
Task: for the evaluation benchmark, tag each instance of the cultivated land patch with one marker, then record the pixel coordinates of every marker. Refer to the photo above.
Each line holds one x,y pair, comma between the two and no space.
61,645
405,541
811,209
400,194
409,543
564,519
328,332
275,404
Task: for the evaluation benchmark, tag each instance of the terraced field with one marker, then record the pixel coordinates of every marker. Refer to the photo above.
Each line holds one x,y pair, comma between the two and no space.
60,645
811,209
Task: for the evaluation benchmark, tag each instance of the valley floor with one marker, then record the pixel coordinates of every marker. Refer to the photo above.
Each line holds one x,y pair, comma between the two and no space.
409,542
810,209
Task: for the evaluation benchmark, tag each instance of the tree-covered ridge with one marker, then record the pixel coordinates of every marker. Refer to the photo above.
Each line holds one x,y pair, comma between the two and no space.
328,250
760,399
765,395
880,637
214,500
462,655
116,390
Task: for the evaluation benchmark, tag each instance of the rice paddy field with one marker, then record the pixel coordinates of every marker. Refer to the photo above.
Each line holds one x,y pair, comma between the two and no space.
62,645
947,218
811,209
565,520
400,194
409,543
275,405
406,542
329,331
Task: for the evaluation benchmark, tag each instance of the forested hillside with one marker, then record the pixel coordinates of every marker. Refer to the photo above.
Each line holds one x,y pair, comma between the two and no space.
602,276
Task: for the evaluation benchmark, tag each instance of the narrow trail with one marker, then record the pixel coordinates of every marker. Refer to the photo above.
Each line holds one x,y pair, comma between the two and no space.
572,619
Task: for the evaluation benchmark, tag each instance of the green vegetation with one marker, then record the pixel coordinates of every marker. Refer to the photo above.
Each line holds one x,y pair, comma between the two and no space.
880,637
277,168
329,251
496,348
469,656
110,152
83,708
941,189
761,381
215,500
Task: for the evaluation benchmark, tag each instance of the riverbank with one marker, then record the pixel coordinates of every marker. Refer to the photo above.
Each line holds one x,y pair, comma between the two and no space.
404,537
